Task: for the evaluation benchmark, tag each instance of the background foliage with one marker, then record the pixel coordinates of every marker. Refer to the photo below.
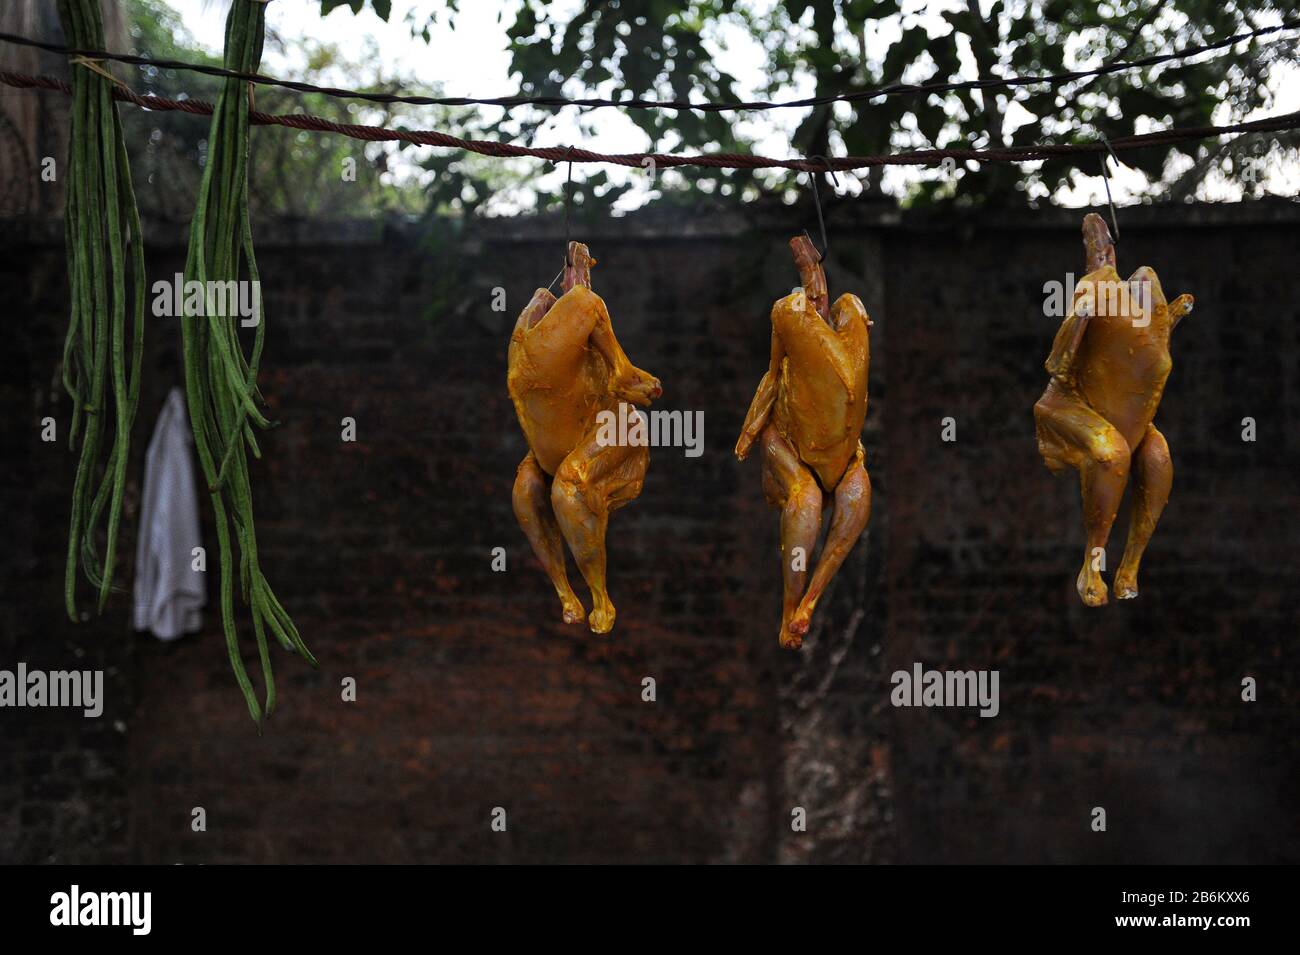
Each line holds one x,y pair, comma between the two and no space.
670,49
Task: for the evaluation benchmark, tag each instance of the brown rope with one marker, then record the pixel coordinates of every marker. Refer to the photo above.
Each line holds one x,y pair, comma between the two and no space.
557,154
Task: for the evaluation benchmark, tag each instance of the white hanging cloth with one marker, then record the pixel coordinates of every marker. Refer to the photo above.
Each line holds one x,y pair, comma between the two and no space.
168,591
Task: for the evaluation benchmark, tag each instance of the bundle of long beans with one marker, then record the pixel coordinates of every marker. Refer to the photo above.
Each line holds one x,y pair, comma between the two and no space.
100,372
220,380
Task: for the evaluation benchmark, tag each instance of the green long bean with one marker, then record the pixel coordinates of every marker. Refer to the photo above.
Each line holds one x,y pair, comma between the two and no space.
100,373
220,380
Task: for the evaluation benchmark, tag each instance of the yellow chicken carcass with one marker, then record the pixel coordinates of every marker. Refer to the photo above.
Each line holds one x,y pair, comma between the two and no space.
565,368
808,412
1108,366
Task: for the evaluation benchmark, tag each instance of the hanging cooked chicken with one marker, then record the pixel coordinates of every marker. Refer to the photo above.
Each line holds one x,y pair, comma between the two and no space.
808,411
1109,363
566,367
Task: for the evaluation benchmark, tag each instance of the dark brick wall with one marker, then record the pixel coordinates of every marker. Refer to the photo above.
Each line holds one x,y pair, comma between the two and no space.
473,695
63,779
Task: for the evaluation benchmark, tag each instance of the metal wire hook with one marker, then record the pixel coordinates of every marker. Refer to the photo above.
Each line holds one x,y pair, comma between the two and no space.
1105,178
568,200
817,201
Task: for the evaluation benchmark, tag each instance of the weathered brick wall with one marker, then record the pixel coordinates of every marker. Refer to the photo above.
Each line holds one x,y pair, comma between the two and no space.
471,694
64,780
